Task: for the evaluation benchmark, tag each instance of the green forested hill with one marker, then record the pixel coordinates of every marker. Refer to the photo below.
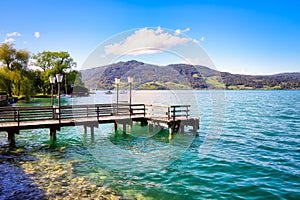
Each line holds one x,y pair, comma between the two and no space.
183,76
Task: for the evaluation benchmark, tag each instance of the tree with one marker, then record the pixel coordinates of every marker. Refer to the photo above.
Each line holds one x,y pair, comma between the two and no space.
7,52
27,87
14,74
43,60
13,59
75,79
6,80
53,63
57,62
21,60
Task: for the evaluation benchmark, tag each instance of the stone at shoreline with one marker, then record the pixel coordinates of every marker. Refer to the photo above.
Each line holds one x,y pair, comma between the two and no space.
15,184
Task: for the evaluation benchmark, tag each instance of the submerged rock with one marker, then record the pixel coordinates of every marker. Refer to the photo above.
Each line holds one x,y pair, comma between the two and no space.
15,184
43,176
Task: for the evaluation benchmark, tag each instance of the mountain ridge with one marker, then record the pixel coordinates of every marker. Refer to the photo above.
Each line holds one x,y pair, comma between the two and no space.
183,76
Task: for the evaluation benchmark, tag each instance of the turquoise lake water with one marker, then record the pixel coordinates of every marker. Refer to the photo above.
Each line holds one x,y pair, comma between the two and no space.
247,147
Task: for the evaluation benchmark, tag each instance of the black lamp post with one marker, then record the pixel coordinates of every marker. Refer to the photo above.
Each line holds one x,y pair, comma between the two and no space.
117,81
59,78
52,81
130,81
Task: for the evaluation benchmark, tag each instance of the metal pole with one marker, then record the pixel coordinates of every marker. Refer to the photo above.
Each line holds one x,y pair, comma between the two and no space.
130,88
66,91
58,93
117,98
52,99
59,101
52,102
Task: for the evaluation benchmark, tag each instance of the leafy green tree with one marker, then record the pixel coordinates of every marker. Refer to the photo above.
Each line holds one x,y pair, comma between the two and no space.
37,81
27,87
57,62
6,80
75,78
7,52
43,60
13,75
53,63
17,79
21,60
12,58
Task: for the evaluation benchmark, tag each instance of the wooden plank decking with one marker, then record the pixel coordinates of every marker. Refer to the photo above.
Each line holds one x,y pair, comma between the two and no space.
14,119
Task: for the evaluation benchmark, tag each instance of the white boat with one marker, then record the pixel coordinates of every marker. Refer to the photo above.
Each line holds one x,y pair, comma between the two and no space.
65,96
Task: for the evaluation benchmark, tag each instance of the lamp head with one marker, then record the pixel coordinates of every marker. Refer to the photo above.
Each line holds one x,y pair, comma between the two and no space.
117,80
52,79
59,78
130,79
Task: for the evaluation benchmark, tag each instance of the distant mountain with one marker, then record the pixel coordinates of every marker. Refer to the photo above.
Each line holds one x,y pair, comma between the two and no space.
276,81
182,76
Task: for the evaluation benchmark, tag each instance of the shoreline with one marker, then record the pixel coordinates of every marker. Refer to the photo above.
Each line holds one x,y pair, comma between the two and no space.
25,176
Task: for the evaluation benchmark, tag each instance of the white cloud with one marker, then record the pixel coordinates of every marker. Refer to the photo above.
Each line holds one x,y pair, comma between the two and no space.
7,40
159,30
146,41
196,41
178,31
13,34
37,35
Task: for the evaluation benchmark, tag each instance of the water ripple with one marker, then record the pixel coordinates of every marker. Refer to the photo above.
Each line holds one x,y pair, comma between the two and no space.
257,156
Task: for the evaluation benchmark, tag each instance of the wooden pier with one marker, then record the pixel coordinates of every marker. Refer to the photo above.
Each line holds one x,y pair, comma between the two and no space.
15,119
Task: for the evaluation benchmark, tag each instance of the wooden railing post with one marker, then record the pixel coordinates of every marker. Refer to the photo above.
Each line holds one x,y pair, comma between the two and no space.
15,115
18,118
187,112
53,112
174,113
59,115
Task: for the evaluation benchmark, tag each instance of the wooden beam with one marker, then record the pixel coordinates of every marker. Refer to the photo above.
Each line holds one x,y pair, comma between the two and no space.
52,133
11,138
84,129
92,130
124,128
115,126
150,128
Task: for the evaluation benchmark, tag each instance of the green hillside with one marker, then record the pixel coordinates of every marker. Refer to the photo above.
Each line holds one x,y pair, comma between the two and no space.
182,76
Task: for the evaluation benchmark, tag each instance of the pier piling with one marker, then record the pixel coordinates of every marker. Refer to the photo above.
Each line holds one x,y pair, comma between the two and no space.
124,128
52,133
151,128
84,129
115,126
11,138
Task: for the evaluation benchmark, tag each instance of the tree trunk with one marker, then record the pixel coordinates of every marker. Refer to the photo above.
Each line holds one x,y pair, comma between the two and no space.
9,90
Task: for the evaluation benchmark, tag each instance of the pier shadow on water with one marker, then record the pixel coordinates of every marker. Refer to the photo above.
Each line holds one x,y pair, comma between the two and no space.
14,182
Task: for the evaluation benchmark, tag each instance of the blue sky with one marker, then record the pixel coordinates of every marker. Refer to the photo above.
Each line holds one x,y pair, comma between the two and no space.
250,37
